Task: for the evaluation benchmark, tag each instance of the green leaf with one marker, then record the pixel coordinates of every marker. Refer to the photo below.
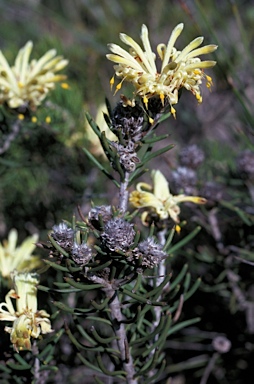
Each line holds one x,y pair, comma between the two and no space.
100,166
120,374
184,241
93,125
238,211
183,324
179,277
82,286
148,157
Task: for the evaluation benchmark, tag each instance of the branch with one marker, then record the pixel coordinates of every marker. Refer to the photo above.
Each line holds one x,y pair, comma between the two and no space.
120,332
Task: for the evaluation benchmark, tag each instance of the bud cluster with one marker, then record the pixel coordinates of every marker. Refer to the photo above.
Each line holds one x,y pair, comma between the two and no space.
148,254
127,121
118,235
185,179
127,125
99,215
64,237
127,156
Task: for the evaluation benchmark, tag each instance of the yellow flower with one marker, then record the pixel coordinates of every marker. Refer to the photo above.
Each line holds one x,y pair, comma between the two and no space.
29,83
18,258
159,199
178,69
27,320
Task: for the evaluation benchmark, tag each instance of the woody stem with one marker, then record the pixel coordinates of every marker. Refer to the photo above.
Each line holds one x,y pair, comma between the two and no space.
123,194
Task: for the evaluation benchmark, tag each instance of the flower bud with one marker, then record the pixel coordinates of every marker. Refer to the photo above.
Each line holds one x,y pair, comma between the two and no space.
118,234
100,215
129,120
81,253
63,235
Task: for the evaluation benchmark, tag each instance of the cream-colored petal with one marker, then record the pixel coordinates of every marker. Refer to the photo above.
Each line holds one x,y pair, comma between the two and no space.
200,64
123,53
144,62
12,240
174,35
161,49
201,51
190,47
42,61
174,212
4,66
27,247
144,186
22,64
6,312
144,199
192,199
123,61
148,49
26,288
160,189
45,325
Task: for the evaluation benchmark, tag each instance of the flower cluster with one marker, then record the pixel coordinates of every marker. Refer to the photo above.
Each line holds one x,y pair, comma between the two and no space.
179,69
18,258
27,84
158,199
27,320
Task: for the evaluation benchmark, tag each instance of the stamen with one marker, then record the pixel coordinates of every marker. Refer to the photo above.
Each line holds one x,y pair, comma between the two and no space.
112,81
162,97
198,97
145,100
173,111
178,228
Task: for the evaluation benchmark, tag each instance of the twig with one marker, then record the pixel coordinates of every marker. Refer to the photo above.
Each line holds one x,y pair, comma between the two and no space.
209,368
123,194
15,128
118,325
160,277
120,332
40,377
214,225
